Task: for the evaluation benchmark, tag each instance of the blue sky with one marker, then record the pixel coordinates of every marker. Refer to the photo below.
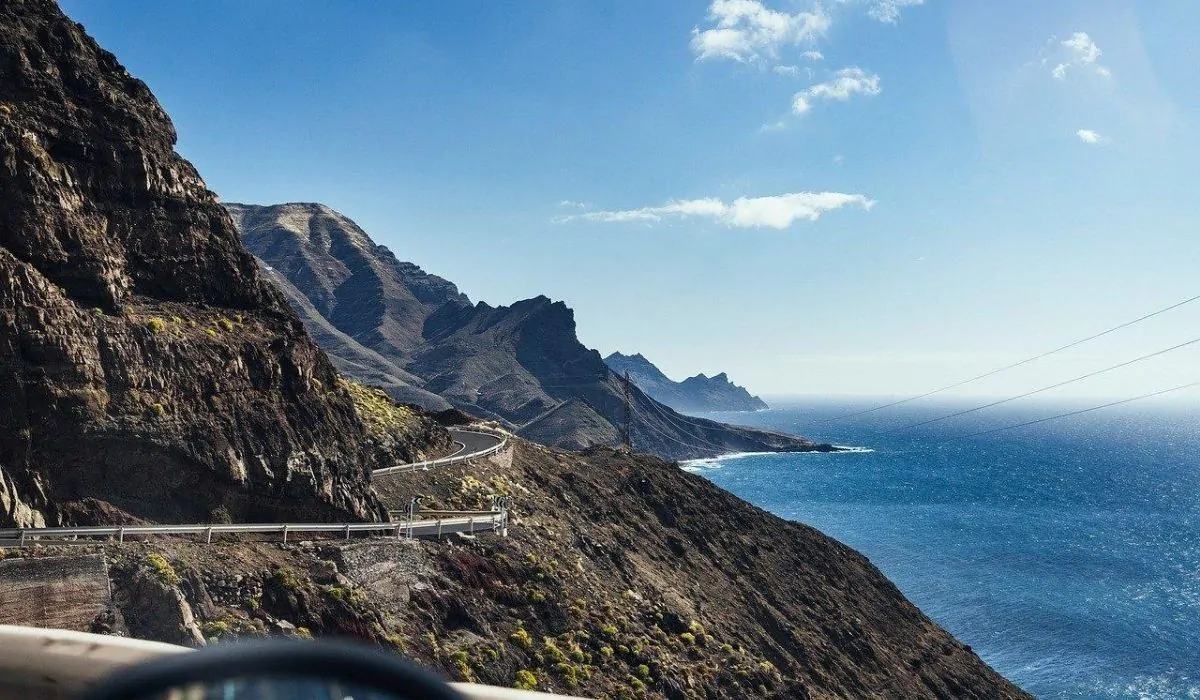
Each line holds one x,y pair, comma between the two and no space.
854,196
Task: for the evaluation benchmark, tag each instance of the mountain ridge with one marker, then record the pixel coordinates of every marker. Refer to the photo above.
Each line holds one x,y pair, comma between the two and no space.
696,394
512,364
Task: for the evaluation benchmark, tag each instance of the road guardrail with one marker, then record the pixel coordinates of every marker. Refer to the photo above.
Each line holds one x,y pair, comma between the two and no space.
446,461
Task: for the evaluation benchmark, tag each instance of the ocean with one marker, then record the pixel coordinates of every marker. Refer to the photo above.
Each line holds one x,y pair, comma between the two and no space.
1066,553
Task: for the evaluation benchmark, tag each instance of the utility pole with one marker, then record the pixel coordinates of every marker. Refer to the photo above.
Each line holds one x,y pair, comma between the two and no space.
627,435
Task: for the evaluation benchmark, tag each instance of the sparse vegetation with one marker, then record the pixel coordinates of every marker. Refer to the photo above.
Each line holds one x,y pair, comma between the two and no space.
156,324
162,569
521,638
525,680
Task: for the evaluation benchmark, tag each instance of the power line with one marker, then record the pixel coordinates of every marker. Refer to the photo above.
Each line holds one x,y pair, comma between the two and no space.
1073,413
650,425
1012,366
667,417
1046,388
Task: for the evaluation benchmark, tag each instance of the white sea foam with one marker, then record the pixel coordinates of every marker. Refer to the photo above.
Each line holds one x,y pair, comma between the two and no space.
695,465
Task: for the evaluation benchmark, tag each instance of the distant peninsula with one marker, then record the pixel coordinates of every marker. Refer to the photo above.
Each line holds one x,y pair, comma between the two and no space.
698,394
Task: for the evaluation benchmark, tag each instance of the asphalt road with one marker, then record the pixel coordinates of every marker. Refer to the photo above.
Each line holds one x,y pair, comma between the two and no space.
472,441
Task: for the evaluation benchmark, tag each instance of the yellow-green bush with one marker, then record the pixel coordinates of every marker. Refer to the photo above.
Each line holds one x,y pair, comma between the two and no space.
156,324
521,638
163,569
525,680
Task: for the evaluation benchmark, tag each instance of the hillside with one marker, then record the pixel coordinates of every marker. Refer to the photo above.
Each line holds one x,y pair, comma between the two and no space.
146,367
698,394
623,576
389,322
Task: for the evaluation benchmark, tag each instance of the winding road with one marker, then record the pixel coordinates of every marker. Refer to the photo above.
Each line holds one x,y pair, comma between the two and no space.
473,445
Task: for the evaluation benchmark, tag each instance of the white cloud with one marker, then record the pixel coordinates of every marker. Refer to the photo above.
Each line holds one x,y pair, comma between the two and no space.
1090,137
772,127
747,30
889,10
846,83
813,55
778,211
788,70
1077,51
569,204
1082,46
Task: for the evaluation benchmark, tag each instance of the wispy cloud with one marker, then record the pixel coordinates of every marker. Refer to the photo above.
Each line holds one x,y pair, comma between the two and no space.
1090,137
570,204
772,127
777,211
1077,51
889,11
813,55
748,31
846,83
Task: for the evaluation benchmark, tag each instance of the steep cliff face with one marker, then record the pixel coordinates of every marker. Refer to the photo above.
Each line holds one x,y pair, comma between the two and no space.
143,360
390,323
698,394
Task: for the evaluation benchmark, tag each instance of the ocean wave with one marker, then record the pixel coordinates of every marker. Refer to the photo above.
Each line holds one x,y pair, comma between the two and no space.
694,465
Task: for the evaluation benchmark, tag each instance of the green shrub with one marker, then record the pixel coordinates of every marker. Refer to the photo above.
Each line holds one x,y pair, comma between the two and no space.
643,671
525,680
609,631
552,652
158,409
688,638
156,324
606,652
226,324
211,333
569,675
303,633
163,569
521,638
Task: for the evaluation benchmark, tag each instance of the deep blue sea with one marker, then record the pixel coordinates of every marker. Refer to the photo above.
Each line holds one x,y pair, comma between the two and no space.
1066,553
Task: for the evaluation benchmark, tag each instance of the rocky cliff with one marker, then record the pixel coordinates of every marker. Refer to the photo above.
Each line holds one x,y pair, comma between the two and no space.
698,394
144,362
390,323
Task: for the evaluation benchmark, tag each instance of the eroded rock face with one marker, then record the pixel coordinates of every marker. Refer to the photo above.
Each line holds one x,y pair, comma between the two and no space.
143,361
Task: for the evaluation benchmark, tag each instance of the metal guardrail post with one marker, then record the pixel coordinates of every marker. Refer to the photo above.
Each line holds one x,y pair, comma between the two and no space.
347,530
285,531
208,535
471,525
121,534
439,530
22,537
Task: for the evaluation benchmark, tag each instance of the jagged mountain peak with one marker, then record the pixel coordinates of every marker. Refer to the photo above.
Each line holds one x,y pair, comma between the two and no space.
696,394
521,364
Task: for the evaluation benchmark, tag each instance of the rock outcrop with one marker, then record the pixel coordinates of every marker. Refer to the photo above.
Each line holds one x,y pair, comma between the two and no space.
390,323
698,394
144,361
